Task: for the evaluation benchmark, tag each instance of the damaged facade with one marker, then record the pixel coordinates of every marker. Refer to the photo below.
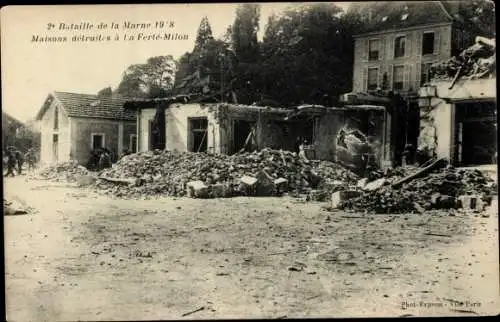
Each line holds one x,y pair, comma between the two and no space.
228,128
458,108
395,54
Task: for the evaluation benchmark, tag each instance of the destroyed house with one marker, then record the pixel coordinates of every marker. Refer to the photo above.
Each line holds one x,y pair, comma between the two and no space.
230,128
394,54
72,125
458,108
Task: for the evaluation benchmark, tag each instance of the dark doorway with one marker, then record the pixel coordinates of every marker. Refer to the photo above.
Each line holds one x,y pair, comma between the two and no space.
241,132
198,134
55,147
476,133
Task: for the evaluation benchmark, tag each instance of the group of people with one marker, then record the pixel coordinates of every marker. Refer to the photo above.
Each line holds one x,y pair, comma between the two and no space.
14,160
103,158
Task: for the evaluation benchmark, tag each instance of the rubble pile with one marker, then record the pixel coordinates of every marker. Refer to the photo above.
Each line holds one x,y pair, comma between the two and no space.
440,189
66,171
477,61
171,173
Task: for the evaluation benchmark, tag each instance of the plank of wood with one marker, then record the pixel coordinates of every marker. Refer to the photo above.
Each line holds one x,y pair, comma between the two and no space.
439,163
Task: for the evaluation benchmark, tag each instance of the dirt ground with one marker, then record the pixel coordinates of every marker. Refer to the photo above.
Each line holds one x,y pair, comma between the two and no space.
83,256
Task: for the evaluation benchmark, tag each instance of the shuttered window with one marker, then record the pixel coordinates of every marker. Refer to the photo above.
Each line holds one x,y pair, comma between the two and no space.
399,46
374,49
398,76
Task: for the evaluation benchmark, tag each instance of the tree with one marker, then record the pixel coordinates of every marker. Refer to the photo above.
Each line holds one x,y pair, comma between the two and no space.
307,55
244,32
155,78
204,34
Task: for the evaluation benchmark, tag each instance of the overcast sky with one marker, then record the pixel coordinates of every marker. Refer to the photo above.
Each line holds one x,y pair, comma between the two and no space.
30,70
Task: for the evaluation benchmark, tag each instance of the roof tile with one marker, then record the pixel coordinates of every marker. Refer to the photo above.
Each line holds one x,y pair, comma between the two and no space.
87,105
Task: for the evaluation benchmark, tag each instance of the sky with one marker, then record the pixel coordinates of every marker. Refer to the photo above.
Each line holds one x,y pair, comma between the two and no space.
32,69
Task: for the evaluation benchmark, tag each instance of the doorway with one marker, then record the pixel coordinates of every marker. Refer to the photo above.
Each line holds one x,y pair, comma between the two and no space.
475,134
241,131
197,136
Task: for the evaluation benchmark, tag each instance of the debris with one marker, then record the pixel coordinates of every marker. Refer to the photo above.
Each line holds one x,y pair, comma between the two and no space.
420,190
374,185
341,196
249,181
202,175
66,171
440,163
477,61
192,312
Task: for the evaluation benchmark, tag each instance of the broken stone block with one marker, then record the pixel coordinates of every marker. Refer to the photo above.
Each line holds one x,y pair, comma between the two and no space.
471,202
280,181
374,185
249,181
362,183
318,195
265,184
281,185
197,189
340,196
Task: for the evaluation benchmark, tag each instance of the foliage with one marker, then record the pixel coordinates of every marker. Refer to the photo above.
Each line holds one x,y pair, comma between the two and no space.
307,55
105,92
155,78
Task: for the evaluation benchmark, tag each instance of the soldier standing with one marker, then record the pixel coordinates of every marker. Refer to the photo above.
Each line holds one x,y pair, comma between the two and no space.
11,163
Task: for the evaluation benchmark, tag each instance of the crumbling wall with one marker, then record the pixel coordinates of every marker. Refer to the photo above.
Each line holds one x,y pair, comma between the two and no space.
177,126
146,115
327,127
273,136
436,126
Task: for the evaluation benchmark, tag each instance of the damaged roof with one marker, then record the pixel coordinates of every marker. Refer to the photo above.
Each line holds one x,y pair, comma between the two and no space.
394,15
90,106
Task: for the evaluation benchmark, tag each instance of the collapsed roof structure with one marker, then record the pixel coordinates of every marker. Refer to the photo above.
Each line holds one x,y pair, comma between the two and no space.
477,61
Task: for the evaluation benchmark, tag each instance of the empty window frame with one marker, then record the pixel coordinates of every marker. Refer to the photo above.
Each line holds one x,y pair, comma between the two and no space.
198,134
428,43
373,49
399,46
97,140
398,78
372,78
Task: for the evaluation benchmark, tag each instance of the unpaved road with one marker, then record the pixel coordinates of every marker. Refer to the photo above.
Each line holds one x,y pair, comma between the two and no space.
82,256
